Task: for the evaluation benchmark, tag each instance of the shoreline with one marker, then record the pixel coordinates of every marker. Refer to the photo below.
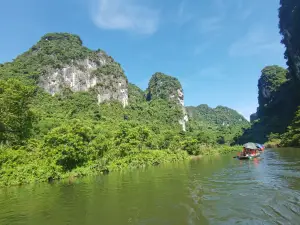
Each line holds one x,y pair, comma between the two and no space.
143,159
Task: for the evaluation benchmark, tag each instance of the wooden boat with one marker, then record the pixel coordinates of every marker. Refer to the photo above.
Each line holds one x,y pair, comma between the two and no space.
260,147
250,151
248,156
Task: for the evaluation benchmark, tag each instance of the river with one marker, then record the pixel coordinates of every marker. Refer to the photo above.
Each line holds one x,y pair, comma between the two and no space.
212,190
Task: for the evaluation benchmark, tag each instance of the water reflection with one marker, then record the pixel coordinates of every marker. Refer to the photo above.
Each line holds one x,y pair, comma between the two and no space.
251,192
211,190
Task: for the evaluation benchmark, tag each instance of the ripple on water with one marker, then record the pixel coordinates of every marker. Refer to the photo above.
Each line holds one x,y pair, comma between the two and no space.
232,192
249,195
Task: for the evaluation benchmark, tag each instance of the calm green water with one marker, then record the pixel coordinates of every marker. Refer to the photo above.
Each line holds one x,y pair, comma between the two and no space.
218,190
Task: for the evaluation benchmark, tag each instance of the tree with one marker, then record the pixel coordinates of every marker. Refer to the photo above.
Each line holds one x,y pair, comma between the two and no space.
292,136
207,137
68,145
15,115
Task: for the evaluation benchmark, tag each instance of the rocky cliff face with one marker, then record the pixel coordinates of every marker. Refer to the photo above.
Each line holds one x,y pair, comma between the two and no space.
162,86
274,106
289,23
271,79
185,117
86,75
62,62
253,117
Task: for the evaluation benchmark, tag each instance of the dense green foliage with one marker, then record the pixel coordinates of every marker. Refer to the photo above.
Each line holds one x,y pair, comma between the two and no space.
45,137
272,106
292,136
114,69
136,95
75,137
53,51
220,124
276,109
269,83
15,115
163,86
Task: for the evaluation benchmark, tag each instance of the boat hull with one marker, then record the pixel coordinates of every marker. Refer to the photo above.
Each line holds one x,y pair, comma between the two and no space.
247,157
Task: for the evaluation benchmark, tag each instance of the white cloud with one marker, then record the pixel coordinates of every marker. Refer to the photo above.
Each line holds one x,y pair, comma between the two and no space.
129,15
183,15
255,42
210,24
239,8
245,14
243,10
181,8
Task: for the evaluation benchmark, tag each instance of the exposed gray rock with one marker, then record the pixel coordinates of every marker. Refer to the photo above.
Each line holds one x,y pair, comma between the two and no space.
81,76
253,117
266,92
109,88
185,117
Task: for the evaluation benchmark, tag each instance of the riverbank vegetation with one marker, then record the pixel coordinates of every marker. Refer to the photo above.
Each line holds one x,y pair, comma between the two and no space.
50,132
58,144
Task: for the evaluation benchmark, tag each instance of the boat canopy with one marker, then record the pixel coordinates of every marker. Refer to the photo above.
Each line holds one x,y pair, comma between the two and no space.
259,145
250,145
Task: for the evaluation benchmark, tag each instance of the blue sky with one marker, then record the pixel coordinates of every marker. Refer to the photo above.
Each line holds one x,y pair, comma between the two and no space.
216,48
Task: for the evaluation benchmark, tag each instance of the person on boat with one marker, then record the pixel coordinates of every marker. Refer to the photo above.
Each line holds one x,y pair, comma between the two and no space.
244,151
260,147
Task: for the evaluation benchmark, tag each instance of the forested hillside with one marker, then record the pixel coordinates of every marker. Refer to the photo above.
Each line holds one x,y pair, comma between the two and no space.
221,124
66,110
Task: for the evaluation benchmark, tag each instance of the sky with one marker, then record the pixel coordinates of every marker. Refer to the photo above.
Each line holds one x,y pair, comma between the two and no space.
216,48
